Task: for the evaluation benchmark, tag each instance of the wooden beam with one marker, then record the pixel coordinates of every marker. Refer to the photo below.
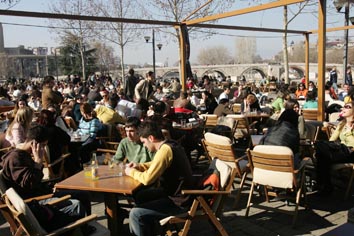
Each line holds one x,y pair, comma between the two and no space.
321,58
246,28
84,17
333,29
183,57
307,59
243,11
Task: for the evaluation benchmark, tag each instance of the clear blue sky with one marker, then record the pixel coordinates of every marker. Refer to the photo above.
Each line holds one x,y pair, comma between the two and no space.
268,44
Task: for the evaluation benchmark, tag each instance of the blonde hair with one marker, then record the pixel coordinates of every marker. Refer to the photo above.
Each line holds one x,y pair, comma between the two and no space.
23,117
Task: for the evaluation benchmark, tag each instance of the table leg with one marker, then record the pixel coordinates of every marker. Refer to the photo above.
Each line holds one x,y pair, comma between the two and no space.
111,203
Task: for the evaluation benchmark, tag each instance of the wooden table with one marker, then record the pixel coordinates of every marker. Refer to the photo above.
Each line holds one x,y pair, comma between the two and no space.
109,184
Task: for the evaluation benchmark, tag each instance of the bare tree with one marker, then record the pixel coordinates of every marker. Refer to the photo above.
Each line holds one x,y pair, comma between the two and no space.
214,56
181,10
82,30
119,33
246,49
105,57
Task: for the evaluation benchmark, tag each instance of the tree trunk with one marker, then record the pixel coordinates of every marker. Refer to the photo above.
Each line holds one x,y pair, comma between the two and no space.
122,64
285,46
83,64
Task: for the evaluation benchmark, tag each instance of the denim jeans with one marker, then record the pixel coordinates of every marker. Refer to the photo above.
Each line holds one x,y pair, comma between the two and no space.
143,219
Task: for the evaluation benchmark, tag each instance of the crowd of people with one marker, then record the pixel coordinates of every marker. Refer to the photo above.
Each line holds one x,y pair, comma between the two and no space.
49,113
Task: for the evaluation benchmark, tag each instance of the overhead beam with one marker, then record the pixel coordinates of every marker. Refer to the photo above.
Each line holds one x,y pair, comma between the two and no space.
315,31
246,28
84,17
243,11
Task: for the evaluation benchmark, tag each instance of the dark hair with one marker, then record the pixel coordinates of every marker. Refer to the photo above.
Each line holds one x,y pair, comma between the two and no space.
310,96
159,107
290,116
150,128
131,71
224,101
289,104
38,133
150,73
132,121
46,118
113,100
183,94
48,79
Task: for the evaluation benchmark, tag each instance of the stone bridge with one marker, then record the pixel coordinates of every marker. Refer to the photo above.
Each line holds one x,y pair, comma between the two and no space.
250,72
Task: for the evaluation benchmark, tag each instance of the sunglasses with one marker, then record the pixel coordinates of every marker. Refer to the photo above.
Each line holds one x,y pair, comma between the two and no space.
347,106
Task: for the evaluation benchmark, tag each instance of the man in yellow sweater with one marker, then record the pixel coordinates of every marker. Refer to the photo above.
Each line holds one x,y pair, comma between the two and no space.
166,175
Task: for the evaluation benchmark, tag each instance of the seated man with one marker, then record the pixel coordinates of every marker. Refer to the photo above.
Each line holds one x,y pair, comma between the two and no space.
131,147
183,102
24,173
223,108
107,113
170,169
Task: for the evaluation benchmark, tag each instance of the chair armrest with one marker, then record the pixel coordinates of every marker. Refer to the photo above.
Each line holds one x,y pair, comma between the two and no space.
59,160
3,205
244,157
56,201
204,192
106,150
304,162
253,124
73,225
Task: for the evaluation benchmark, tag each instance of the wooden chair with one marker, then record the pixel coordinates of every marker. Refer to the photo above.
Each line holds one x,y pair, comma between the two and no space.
273,168
220,147
27,221
202,208
229,122
211,121
236,107
5,211
243,128
310,114
49,174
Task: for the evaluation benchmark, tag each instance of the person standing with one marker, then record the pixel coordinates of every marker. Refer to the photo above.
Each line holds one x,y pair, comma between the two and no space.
348,76
130,84
144,87
49,96
333,77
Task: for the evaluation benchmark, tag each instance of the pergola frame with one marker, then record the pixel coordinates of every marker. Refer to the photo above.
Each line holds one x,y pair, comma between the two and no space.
321,31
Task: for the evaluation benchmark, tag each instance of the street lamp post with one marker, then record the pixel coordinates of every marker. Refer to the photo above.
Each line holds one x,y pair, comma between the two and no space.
338,5
159,46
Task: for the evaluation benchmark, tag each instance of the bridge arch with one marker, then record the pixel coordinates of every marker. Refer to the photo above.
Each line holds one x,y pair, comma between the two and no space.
170,74
295,72
215,74
253,74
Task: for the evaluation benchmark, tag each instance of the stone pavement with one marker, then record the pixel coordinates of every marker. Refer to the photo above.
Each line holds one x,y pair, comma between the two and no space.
323,215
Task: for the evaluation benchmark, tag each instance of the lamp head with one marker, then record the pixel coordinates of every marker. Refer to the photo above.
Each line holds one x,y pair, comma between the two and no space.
159,46
147,38
351,20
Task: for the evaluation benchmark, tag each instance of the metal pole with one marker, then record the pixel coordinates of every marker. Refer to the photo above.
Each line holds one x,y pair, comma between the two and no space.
153,52
346,39
56,63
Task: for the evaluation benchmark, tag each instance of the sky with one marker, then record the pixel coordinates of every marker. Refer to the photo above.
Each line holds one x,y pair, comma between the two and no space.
268,44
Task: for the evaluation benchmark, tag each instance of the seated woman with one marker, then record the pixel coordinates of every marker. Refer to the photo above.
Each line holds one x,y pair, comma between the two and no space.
250,103
89,125
301,91
285,133
310,101
17,130
339,149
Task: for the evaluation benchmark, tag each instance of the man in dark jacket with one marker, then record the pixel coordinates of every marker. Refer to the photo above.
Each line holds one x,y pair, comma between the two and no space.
130,84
